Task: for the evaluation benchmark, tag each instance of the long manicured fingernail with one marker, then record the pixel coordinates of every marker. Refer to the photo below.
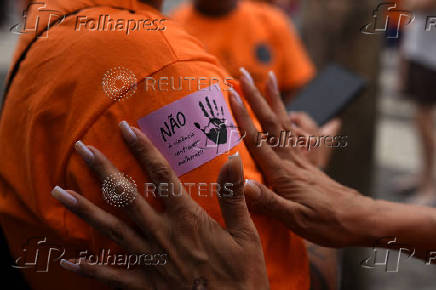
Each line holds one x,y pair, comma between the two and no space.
127,132
255,190
63,196
67,265
247,75
235,96
273,79
84,151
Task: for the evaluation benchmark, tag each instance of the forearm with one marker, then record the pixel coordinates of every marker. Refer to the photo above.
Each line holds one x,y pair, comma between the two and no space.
411,225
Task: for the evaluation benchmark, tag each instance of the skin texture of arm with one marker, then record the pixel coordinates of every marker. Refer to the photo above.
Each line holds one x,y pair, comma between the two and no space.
312,204
410,225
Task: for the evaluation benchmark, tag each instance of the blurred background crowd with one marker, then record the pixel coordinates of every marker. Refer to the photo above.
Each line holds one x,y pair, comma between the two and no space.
390,155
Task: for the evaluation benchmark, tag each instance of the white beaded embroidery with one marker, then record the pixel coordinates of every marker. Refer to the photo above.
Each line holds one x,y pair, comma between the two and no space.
119,83
119,190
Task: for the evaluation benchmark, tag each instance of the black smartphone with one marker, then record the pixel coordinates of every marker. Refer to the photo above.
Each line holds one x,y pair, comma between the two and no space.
328,94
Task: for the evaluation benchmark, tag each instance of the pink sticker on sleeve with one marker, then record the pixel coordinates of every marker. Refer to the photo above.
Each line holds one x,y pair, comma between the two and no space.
193,130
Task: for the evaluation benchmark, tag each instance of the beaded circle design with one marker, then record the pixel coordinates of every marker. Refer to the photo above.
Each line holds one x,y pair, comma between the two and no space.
119,83
119,190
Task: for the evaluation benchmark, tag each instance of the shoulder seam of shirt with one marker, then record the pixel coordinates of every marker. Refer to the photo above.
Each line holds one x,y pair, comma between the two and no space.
170,46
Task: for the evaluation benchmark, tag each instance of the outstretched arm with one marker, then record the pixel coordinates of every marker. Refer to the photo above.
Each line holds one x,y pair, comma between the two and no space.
308,201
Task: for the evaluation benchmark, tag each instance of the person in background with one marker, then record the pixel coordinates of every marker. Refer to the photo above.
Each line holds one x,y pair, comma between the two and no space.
288,6
420,72
253,35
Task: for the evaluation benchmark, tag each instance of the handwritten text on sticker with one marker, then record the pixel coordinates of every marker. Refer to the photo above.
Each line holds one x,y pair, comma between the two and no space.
193,130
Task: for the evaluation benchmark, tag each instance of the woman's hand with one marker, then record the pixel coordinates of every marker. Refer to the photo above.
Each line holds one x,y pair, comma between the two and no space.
200,253
304,125
304,198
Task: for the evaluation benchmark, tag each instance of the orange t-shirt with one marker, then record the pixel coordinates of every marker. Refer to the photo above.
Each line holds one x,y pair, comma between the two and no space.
256,36
56,97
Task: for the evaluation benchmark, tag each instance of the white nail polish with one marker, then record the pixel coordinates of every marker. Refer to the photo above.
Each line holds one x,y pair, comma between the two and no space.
63,196
273,78
128,133
67,265
84,151
247,75
251,183
236,96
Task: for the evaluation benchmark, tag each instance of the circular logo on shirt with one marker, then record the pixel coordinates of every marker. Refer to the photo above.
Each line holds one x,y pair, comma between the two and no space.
263,53
119,190
119,83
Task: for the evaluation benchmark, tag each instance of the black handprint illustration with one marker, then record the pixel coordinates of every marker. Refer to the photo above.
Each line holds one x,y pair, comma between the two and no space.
216,129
